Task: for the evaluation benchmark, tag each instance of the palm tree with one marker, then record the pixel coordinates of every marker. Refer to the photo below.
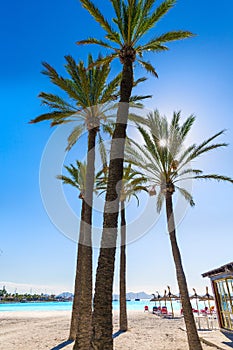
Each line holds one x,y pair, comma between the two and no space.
133,20
132,184
87,94
167,164
77,179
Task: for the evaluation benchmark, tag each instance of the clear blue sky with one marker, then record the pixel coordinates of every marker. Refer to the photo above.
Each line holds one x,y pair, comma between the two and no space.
195,76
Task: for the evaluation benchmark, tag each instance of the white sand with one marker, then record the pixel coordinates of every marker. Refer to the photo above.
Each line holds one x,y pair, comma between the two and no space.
47,330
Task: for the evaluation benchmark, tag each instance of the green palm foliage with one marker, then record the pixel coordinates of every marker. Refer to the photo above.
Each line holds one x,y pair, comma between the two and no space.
132,182
165,157
167,165
77,177
133,19
87,96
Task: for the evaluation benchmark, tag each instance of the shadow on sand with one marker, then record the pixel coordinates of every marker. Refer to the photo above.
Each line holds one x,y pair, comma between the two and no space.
115,335
230,337
62,345
67,342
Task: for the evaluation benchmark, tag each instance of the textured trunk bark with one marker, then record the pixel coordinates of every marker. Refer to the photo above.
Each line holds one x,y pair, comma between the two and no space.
77,286
123,311
84,302
193,339
102,315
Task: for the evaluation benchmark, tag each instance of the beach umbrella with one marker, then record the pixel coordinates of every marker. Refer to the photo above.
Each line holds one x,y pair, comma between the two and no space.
196,297
165,297
170,297
158,298
207,297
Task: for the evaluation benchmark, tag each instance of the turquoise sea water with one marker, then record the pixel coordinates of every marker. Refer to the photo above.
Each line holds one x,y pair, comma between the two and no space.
60,306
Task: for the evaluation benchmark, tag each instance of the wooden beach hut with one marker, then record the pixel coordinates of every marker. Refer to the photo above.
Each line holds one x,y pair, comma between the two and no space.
222,285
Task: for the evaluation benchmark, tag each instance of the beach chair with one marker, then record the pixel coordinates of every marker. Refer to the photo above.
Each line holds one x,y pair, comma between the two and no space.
195,311
146,308
205,311
155,309
164,310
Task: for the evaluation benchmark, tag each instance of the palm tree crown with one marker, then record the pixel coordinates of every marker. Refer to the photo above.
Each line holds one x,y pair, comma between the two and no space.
133,182
88,94
77,177
166,161
133,19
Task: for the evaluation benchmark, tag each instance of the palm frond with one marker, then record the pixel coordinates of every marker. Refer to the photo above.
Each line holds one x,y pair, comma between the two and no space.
99,17
206,149
64,84
56,102
67,180
74,136
136,98
172,36
159,201
187,126
96,42
137,119
178,175
117,5
77,175
152,45
111,90
148,67
214,177
102,150
56,115
104,60
152,19
139,80
186,195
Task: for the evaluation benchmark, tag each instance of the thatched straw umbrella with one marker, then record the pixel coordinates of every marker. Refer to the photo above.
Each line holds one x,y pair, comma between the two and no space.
158,298
196,297
207,297
171,296
165,297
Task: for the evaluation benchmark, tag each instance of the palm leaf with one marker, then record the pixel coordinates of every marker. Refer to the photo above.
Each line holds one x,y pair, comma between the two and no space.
172,36
186,195
151,20
214,177
94,41
74,136
159,202
67,180
149,68
117,5
56,115
94,11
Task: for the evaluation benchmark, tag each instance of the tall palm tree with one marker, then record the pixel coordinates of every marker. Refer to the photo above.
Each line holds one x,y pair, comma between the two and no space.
133,20
166,164
132,183
77,179
87,94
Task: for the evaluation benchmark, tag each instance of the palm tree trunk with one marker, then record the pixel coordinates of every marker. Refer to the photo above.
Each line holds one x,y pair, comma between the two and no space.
193,339
84,302
123,311
77,285
102,315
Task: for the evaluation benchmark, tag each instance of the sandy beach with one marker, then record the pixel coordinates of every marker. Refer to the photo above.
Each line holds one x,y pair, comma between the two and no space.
49,330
